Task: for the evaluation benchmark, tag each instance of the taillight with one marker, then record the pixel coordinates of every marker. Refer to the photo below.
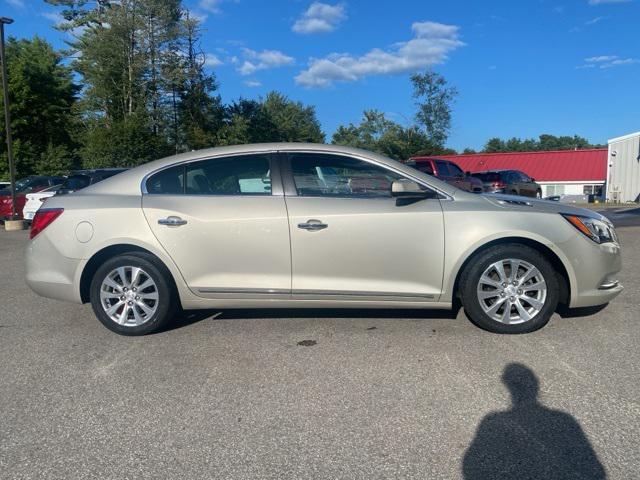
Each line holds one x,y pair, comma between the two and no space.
43,218
498,184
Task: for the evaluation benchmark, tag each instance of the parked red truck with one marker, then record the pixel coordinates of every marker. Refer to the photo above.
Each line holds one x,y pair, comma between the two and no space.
447,171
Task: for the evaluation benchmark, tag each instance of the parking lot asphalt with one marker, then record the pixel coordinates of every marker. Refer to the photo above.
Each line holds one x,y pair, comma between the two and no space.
316,394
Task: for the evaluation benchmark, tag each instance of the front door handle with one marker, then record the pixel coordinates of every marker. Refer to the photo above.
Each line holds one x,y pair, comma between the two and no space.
172,221
313,225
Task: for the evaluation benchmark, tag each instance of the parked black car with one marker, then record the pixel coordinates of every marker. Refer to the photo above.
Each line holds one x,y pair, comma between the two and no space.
512,182
80,179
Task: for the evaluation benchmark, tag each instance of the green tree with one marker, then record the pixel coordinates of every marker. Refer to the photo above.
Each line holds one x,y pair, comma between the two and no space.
434,98
144,78
379,134
544,142
292,121
42,98
275,118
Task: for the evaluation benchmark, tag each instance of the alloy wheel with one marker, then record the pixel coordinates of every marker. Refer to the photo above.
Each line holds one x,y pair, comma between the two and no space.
512,291
129,296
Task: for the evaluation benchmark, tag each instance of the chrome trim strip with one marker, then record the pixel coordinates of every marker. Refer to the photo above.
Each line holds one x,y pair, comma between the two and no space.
609,286
143,183
355,293
262,291
284,291
371,160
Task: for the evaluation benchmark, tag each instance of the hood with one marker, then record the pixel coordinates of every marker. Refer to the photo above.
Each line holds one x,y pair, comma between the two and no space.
513,202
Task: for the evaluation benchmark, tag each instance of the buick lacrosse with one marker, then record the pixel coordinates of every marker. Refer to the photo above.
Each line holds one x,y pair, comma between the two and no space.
309,226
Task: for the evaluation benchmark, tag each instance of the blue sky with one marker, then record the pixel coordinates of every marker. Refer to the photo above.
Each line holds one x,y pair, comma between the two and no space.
522,67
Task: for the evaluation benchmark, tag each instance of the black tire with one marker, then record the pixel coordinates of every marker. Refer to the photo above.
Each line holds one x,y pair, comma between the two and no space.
167,302
475,268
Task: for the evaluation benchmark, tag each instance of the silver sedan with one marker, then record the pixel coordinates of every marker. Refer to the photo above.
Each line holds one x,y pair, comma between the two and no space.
304,225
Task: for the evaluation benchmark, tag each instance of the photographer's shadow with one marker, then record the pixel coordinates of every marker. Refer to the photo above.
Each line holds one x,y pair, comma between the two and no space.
529,441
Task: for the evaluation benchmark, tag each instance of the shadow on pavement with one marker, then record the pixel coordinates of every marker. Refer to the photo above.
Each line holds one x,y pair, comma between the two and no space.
186,318
566,312
529,441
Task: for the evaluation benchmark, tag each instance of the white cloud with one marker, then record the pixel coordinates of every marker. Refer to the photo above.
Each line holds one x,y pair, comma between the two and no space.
602,2
200,17
619,62
593,21
431,45
212,6
212,60
252,83
54,17
600,59
607,61
263,60
320,18
16,3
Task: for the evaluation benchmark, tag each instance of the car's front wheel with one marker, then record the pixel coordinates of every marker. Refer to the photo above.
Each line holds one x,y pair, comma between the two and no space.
131,295
509,289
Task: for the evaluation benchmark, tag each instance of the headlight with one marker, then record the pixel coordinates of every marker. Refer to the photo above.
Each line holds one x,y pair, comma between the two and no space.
596,230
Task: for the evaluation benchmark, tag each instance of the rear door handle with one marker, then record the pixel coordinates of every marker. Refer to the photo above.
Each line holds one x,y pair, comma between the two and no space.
172,221
313,225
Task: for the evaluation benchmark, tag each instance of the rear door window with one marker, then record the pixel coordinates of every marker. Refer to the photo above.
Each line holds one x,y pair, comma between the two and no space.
239,175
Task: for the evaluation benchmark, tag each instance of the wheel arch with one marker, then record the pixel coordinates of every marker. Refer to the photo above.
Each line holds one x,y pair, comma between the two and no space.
563,275
111,251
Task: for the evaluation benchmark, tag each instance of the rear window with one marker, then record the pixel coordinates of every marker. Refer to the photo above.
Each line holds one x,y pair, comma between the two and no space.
76,182
169,181
488,177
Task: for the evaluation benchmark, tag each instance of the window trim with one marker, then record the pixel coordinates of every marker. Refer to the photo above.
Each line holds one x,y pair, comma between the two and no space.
290,189
274,167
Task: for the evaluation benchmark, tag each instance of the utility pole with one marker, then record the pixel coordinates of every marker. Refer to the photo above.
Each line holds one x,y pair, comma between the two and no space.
7,116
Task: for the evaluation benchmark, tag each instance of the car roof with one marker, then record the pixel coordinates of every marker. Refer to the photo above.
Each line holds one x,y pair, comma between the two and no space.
129,182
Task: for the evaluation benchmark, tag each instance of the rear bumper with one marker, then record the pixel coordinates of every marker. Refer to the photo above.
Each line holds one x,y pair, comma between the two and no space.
49,273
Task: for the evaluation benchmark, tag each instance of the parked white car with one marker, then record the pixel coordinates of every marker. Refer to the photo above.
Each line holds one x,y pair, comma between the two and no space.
308,226
35,201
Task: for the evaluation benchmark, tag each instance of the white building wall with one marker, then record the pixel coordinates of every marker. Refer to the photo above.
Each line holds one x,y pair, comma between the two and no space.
623,170
566,188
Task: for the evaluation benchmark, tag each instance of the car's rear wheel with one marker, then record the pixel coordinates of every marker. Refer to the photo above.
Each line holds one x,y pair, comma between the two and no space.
131,294
509,289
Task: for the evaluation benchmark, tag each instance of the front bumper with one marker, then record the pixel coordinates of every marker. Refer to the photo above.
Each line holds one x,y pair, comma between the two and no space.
596,270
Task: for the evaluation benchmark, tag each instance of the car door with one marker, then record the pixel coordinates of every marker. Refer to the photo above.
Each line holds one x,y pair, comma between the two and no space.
522,184
351,240
224,222
530,185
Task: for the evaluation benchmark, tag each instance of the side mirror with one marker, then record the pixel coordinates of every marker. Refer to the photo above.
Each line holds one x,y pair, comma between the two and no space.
404,188
533,179
467,173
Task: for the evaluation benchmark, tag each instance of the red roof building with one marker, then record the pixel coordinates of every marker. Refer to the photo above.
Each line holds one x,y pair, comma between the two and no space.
573,172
